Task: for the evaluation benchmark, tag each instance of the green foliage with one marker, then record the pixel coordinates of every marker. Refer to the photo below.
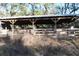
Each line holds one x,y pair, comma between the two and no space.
23,9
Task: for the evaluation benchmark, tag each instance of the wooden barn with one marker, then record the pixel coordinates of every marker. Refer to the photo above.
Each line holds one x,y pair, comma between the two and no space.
41,24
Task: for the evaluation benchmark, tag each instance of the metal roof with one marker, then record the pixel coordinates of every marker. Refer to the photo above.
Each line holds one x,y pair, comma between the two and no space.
38,16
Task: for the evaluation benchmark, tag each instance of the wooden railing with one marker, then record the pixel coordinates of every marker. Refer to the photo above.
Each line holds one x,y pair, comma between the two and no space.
63,33
44,33
50,32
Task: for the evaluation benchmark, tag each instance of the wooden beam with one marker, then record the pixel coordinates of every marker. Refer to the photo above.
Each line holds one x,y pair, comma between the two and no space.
12,21
32,20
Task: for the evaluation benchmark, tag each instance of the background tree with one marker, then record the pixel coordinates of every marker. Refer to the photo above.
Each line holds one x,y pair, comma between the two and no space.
23,9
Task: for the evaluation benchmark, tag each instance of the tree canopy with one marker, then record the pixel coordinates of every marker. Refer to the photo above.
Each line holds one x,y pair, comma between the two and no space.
24,9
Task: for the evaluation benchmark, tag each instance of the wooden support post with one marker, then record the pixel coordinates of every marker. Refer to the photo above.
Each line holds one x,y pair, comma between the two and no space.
55,26
33,25
12,22
55,22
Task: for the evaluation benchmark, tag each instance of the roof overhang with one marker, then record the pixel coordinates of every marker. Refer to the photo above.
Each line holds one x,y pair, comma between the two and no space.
39,17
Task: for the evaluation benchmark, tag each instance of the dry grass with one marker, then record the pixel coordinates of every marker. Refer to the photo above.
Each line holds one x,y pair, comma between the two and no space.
28,44
31,40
